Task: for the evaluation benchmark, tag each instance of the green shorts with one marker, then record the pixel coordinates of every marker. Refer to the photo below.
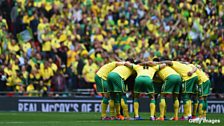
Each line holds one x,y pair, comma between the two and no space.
101,84
189,85
144,84
115,83
172,84
204,88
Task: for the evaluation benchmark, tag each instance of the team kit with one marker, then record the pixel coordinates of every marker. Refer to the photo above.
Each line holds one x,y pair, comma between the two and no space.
180,80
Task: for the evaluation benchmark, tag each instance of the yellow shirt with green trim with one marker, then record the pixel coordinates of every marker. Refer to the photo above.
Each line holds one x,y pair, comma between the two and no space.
183,70
123,71
202,77
157,79
105,70
165,72
13,48
55,43
89,72
47,44
145,70
71,57
26,46
46,73
54,67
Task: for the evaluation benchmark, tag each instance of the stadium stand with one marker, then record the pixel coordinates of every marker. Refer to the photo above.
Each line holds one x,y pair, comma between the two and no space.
58,45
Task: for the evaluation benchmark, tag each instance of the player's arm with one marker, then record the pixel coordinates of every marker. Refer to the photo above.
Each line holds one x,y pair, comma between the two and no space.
118,59
169,63
128,64
194,69
149,63
120,63
161,66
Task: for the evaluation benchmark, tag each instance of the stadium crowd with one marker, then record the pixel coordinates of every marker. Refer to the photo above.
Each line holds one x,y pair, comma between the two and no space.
58,45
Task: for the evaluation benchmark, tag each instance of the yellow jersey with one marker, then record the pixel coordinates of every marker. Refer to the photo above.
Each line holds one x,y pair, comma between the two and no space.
183,70
157,79
123,71
13,48
106,69
202,77
165,72
89,72
46,73
149,71
46,46
71,57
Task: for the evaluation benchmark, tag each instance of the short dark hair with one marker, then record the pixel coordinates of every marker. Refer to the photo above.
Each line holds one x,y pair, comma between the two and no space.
130,60
156,59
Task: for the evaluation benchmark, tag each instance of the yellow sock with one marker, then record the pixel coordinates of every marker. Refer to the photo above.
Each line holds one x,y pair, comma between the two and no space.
176,108
195,108
200,111
189,107
165,110
104,109
186,109
125,108
118,108
152,109
136,108
204,113
162,106
200,108
111,104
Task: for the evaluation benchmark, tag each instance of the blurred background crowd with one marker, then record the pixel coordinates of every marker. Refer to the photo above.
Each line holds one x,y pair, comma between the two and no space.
58,45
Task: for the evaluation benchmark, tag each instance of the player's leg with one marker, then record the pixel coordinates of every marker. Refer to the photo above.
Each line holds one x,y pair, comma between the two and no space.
149,88
118,106
187,90
205,107
157,88
102,88
119,88
136,105
205,92
124,106
137,89
152,107
176,105
104,105
192,88
167,89
111,79
201,105
162,103
185,98
162,106
111,106
174,83
195,105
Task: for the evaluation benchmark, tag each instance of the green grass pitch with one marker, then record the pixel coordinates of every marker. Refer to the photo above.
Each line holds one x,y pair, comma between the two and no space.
87,119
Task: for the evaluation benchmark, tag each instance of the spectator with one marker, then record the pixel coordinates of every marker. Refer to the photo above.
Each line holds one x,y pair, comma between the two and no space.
67,33
89,72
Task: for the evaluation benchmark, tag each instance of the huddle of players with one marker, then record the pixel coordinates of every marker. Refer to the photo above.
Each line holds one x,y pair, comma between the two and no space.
176,77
